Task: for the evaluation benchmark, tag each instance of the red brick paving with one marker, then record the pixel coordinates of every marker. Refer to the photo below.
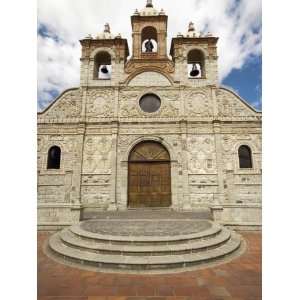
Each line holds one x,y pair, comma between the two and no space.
237,280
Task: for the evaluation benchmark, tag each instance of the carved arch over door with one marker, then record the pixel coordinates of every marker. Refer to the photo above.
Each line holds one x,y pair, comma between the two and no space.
149,176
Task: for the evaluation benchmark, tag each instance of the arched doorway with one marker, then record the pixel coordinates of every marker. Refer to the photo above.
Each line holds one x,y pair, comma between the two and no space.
149,176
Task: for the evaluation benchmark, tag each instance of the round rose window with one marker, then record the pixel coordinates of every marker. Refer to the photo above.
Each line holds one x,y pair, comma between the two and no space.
150,103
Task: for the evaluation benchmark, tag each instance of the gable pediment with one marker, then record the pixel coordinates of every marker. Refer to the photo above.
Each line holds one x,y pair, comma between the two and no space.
231,105
67,105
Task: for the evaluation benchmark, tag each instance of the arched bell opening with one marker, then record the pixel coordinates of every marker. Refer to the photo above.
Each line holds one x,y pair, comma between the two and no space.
149,176
102,65
149,40
196,64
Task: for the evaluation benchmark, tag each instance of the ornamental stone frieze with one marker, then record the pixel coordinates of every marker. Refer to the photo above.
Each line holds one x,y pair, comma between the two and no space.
97,154
198,103
68,105
100,103
165,66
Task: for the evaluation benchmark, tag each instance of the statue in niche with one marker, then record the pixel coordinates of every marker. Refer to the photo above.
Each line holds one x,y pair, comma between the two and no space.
149,46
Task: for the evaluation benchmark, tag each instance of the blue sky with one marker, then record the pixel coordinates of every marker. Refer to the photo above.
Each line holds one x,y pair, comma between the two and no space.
61,24
247,81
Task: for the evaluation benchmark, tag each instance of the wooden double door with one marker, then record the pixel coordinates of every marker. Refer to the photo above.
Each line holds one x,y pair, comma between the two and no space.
149,176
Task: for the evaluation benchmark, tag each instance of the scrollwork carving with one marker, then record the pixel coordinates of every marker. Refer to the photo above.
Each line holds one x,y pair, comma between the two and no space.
97,154
198,104
201,154
100,103
230,105
166,66
67,106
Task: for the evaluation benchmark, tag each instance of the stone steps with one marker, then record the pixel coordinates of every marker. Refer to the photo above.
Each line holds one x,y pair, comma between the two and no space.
141,262
146,240
189,246
142,213
149,252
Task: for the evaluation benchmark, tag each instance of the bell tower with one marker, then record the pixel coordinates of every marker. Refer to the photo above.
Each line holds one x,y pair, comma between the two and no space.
195,56
149,33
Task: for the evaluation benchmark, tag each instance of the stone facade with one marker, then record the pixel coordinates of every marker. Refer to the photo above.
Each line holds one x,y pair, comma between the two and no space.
201,124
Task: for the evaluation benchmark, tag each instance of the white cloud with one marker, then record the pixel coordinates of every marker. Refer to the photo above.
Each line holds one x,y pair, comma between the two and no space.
58,68
236,22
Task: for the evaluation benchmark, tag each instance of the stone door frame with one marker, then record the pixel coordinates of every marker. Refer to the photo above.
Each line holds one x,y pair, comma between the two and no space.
122,174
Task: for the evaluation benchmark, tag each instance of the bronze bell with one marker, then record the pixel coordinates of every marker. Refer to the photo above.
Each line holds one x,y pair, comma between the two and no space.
195,72
104,69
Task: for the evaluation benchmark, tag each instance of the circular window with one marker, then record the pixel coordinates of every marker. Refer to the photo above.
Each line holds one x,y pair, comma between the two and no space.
150,103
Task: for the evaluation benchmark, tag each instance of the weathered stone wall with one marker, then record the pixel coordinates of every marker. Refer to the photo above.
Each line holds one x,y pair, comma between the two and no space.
96,171
201,126
59,190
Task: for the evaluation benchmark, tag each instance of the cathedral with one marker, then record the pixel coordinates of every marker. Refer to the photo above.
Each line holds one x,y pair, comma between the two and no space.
151,129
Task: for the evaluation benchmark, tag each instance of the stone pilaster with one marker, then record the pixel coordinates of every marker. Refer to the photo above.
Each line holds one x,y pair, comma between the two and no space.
185,171
77,170
114,156
218,146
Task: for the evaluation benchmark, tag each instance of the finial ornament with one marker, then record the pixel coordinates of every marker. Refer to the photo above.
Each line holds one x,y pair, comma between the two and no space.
106,28
162,12
149,3
191,26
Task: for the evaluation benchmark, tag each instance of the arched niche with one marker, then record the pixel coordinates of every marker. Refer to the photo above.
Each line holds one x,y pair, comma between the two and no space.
149,36
196,61
102,65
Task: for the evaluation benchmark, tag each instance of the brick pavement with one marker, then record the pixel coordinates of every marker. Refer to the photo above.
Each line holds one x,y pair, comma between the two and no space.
237,280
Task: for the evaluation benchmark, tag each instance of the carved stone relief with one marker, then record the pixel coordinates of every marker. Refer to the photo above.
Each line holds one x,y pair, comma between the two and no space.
95,195
97,154
247,179
100,103
54,180
167,66
201,154
129,104
69,144
169,110
125,141
203,189
200,200
197,103
51,194
230,143
230,105
67,106
203,180
95,180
